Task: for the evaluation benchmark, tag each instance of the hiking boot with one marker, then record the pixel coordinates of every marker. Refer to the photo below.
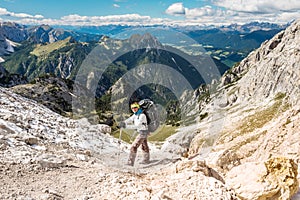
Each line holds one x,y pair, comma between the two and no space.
145,162
146,158
129,163
131,159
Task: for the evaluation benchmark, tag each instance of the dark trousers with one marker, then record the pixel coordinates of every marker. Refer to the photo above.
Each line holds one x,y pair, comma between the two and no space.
140,140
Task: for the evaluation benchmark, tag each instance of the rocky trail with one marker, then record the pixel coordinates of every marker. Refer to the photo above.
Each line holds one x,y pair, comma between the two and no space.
46,156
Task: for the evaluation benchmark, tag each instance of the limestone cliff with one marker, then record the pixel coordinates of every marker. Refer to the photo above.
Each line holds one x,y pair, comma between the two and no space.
254,114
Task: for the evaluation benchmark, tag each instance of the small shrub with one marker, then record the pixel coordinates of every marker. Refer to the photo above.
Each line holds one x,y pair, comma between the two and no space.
203,116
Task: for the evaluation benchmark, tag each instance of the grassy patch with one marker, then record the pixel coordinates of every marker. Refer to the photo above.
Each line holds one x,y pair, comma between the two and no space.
207,141
258,119
43,50
126,135
158,136
248,140
189,120
162,133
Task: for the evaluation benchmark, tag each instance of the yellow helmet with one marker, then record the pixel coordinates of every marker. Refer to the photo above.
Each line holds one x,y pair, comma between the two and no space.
134,105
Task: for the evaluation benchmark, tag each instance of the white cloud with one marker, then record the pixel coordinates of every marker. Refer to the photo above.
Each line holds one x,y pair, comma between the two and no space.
116,5
260,10
193,13
5,12
241,11
222,12
203,11
131,19
38,16
176,9
21,15
74,18
260,6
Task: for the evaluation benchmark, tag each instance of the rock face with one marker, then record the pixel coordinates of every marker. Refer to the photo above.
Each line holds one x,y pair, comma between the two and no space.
254,116
253,96
55,93
271,69
274,179
13,31
10,80
28,130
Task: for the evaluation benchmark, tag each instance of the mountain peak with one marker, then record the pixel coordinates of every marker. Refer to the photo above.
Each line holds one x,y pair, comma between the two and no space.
144,41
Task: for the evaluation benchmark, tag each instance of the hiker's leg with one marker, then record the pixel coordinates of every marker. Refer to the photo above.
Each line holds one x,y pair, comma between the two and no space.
146,152
133,150
145,146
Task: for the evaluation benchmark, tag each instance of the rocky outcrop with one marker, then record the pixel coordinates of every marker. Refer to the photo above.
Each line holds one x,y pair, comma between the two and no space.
274,179
29,130
252,121
10,80
271,69
198,166
54,93
261,88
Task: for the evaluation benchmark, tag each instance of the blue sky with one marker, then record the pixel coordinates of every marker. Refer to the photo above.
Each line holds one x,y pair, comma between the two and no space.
147,12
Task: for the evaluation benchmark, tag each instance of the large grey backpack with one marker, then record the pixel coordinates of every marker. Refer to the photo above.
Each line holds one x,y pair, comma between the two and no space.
150,110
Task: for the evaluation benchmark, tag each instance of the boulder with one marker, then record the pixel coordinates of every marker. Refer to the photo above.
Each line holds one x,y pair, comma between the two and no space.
198,166
51,161
275,178
31,140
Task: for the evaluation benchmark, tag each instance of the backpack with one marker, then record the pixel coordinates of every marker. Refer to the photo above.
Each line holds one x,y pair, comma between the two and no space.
150,110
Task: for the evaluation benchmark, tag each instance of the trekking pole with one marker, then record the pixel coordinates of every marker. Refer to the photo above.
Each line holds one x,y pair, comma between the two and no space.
120,139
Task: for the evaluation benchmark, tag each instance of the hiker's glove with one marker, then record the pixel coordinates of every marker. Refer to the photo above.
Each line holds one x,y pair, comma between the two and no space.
122,125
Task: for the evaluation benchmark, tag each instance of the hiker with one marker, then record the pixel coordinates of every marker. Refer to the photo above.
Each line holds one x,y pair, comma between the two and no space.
137,121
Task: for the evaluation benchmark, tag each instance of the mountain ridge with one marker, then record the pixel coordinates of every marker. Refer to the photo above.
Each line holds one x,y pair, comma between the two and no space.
111,30
255,109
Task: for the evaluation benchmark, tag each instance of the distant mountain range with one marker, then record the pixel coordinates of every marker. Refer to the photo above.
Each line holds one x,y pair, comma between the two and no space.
13,35
113,30
30,52
60,58
229,44
41,33
63,58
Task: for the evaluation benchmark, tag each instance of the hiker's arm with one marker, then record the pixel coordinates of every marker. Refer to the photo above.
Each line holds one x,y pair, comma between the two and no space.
130,120
141,125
